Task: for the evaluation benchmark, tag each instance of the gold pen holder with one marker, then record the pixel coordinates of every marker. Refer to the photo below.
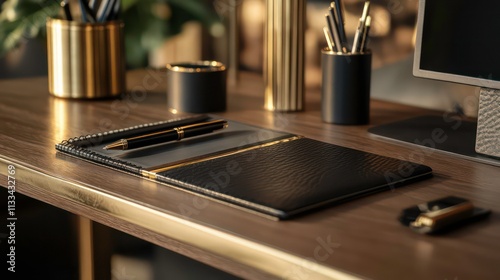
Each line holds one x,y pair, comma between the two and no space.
85,60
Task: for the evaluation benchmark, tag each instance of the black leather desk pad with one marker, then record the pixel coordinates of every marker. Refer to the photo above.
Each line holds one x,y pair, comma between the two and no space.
292,177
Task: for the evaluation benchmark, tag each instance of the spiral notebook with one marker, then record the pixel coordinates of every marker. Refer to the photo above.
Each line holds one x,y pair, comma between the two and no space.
267,172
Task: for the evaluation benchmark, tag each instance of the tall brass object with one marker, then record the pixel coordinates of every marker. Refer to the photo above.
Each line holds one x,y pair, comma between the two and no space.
85,60
284,55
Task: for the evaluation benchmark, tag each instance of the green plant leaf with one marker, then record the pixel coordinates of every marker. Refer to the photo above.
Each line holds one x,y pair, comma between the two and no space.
127,4
22,20
145,29
196,9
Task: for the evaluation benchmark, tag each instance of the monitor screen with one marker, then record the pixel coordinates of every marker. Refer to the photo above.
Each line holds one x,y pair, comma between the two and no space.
459,41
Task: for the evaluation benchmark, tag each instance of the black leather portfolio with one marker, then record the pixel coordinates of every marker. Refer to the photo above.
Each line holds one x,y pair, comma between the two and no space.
267,172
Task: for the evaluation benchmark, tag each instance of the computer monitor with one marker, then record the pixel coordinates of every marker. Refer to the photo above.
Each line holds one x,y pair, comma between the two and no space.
458,41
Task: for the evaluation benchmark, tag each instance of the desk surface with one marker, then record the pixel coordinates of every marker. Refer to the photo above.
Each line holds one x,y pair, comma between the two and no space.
361,238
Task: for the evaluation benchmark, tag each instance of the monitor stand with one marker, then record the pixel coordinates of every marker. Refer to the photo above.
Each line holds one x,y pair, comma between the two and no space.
444,133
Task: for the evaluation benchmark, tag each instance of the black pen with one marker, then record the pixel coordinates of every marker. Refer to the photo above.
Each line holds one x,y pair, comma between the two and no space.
105,10
332,28
116,11
335,29
87,13
340,17
67,11
174,134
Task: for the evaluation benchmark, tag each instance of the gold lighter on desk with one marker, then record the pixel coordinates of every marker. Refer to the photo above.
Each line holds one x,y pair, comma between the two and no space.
441,214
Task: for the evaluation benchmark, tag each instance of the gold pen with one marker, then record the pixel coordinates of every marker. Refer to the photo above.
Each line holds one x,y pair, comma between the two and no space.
361,29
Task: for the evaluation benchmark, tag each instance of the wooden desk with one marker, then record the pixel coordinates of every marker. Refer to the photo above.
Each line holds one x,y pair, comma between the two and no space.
361,238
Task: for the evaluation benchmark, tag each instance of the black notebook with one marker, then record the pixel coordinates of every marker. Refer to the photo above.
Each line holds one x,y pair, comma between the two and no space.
268,172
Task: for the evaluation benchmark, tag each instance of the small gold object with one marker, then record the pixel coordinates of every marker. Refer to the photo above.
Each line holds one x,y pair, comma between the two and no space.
85,60
180,133
121,144
443,217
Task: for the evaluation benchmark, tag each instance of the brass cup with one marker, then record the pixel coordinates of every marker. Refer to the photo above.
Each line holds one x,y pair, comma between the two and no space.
85,60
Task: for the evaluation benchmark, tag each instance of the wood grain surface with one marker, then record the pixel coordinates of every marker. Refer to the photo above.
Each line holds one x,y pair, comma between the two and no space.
361,238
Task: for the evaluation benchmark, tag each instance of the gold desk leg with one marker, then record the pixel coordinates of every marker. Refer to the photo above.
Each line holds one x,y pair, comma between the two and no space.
94,249
85,248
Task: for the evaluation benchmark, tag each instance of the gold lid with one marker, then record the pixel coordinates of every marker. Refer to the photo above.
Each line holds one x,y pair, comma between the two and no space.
196,66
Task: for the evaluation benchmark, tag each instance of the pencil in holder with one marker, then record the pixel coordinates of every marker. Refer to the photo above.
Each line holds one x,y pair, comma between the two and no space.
345,93
85,60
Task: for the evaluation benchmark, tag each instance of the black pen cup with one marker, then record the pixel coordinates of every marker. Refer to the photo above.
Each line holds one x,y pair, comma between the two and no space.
196,87
345,92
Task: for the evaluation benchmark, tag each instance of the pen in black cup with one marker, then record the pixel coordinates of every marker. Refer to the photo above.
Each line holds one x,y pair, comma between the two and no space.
336,21
340,17
361,29
332,28
357,35
174,134
335,29
365,33
329,40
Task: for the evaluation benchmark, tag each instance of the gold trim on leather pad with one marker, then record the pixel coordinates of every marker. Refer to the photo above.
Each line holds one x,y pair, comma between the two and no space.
152,171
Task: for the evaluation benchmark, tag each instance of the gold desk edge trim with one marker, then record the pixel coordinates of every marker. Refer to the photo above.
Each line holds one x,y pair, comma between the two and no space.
237,249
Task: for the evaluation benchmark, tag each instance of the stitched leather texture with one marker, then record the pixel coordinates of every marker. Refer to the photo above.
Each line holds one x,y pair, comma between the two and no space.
488,123
288,178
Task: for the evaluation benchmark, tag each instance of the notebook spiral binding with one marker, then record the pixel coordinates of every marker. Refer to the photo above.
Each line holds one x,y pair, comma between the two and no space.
67,147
